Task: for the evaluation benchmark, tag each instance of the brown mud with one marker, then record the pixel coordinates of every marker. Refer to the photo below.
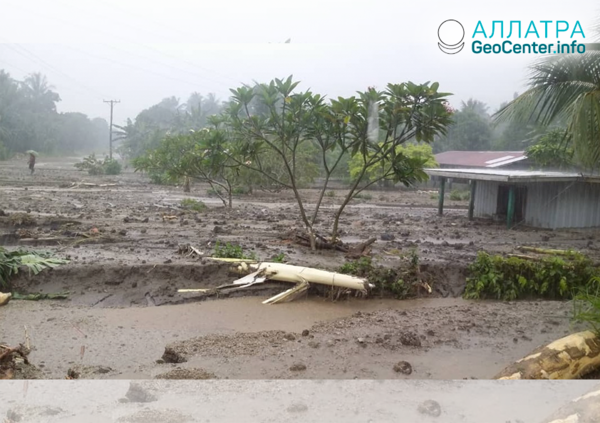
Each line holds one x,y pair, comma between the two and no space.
125,270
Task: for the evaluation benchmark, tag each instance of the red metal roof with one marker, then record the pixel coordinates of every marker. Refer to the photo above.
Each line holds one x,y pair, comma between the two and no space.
491,159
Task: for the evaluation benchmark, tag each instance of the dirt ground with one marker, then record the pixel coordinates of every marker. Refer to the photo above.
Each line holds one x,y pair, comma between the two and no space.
124,309
360,401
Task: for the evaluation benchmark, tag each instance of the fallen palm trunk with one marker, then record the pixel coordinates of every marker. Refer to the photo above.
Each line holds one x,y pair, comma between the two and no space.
571,357
585,409
290,273
256,273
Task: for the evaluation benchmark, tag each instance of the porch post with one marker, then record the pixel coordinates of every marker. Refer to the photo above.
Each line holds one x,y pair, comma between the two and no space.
472,200
441,199
511,207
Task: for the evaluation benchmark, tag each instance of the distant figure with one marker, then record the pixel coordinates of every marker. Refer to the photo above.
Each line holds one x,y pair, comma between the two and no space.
31,162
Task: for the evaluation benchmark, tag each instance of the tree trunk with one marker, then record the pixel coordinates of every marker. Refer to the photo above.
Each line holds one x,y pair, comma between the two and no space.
186,185
570,357
585,409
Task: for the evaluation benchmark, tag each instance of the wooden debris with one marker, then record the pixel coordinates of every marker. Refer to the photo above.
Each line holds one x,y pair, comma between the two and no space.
322,243
11,358
5,298
360,250
188,250
571,357
290,294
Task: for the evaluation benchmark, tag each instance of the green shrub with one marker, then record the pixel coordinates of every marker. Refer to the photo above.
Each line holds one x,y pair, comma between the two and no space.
99,167
330,194
456,195
191,204
399,282
512,278
112,167
587,305
363,196
232,251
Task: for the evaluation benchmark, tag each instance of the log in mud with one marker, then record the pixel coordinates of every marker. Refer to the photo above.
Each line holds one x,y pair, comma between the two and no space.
571,357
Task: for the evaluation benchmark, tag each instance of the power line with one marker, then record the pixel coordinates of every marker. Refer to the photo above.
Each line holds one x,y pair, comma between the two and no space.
167,65
220,74
134,67
31,56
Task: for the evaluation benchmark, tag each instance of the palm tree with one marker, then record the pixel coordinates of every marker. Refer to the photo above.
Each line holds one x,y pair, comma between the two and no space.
564,88
40,93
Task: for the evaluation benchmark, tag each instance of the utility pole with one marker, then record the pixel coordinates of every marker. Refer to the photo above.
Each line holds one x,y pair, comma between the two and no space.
110,132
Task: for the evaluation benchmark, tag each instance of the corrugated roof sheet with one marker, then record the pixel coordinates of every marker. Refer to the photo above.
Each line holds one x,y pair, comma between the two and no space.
512,175
491,159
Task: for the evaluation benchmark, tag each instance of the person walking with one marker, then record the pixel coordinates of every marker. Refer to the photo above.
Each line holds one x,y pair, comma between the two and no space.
31,162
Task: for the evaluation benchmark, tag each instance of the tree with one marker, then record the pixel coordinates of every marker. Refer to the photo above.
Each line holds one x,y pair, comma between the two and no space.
552,150
470,130
564,87
200,155
40,93
371,126
422,152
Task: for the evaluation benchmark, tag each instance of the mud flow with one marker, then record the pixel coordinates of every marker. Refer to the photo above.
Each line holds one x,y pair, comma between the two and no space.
124,317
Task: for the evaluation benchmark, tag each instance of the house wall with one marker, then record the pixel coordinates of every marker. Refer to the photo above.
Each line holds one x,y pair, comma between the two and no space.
578,205
486,194
549,205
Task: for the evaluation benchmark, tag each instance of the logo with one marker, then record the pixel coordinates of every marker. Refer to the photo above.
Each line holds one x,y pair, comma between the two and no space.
451,34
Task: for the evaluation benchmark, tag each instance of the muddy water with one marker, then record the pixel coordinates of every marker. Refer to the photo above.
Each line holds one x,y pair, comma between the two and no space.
130,339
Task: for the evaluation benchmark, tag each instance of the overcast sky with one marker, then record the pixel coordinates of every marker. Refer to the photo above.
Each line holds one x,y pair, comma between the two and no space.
141,51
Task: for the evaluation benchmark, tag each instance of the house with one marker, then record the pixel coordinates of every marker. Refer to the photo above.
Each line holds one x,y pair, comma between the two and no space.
539,199
479,159
483,159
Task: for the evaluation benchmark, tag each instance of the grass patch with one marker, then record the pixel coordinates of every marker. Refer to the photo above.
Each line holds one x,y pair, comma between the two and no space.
456,195
194,205
330,194
232,251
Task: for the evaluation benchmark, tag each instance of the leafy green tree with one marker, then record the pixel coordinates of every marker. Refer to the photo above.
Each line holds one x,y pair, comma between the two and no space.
200,155
552,151
422,152
370,126
470,130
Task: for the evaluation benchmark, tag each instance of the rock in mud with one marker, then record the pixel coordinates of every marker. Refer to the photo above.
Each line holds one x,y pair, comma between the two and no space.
31,413
298,367
172,356
403,367
297,408
305,332
138,393
289,336
387,237
313,344
431,408
410,339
